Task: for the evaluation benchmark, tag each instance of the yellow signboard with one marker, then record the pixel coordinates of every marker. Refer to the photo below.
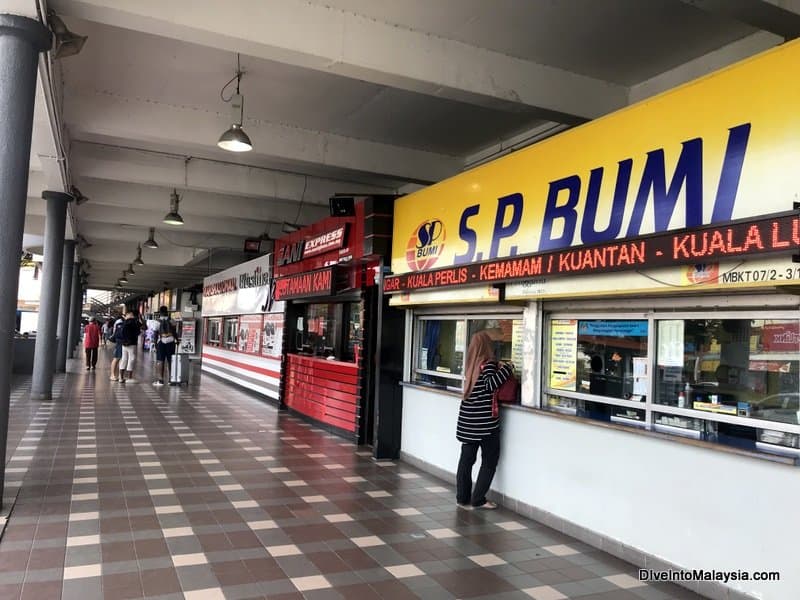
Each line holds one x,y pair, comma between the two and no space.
724,147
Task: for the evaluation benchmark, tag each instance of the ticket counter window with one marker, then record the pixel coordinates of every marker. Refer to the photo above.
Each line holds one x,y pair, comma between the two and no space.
213,332
231,332
441,346
330,330
608,357
740,367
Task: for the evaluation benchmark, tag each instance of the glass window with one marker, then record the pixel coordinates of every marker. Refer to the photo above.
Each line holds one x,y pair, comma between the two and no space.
733,379
441,346
741,367
601,357
230,332
213,332
330,330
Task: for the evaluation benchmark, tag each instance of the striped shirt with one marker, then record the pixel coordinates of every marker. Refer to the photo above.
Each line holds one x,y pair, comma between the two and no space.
475,420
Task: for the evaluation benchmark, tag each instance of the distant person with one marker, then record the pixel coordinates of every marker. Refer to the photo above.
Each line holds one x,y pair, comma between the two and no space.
165,344
116,339
477,426
129,338
104,332
91,342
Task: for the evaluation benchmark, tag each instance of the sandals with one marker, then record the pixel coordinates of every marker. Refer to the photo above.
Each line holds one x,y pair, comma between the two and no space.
488,505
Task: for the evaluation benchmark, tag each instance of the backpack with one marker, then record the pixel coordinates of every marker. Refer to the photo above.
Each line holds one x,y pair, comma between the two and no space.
165,327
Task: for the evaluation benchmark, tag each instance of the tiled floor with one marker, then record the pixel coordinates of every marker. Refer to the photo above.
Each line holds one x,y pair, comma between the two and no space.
202,493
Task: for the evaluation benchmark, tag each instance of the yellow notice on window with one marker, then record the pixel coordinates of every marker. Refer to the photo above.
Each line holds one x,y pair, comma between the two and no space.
563,354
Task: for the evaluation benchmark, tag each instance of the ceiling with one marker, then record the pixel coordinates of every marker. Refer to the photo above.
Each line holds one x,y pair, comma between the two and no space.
341,96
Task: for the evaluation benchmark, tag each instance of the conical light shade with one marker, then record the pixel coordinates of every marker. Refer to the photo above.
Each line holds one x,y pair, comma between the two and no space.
235,140
138,262
123,280
173,217
151,240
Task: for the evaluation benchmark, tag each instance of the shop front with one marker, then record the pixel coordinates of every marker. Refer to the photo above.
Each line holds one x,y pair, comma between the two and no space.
640,271
242,328
335,356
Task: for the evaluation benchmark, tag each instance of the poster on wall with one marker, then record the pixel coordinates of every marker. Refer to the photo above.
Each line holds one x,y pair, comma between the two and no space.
564,354
273,335
641,381
187,345
670,343
517,332
250,333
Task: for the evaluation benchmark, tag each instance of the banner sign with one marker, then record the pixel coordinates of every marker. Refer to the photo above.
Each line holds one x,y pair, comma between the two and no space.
240,290
658,166
768,235
305,285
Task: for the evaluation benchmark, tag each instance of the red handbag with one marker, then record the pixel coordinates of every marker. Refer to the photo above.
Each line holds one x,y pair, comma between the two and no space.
506,394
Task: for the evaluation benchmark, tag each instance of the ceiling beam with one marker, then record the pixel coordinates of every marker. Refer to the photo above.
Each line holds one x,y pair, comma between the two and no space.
102,161
125,253
137,197
113,217
775,16
98,233
332,40
97,116
703,65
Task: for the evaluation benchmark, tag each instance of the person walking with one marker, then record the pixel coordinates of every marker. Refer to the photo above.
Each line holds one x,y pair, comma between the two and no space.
104,332
478,424
116,339
129,337
91,342
166,337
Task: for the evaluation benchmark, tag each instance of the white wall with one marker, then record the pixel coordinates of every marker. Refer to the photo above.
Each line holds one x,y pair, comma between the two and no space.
695,507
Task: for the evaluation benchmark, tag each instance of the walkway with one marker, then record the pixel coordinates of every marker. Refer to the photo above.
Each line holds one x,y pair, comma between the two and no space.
206,492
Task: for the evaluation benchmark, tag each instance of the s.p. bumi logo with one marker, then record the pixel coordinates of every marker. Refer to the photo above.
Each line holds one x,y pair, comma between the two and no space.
425,245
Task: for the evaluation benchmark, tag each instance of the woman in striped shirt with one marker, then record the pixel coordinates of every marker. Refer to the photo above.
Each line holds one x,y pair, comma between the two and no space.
477,426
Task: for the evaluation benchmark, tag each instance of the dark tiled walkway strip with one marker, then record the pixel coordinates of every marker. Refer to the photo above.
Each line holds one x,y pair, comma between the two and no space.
205,492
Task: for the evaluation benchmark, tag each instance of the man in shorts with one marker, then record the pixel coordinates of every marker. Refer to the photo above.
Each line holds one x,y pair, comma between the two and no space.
117,339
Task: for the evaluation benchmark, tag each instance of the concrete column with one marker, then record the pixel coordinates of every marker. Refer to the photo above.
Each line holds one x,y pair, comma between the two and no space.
21,40
74,329
44,355
64,302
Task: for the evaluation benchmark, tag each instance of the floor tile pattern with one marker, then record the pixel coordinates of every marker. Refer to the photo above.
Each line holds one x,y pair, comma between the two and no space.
130,491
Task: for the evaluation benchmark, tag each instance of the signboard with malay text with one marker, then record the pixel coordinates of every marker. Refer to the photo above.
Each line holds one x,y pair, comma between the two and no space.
241,290
701,174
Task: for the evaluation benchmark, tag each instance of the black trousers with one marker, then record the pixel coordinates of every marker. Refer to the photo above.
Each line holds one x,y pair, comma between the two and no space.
490,454
91,357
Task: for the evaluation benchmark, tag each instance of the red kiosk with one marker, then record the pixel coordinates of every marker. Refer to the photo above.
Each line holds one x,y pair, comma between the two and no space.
330,275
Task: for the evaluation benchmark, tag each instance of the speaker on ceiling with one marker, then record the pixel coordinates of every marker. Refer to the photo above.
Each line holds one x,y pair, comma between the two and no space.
342,206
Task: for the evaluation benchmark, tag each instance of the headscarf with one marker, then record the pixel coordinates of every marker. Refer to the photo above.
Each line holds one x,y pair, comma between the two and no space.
480,350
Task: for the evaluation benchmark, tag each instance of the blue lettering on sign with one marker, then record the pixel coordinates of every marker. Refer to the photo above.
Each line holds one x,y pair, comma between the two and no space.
589,233
502,231
688,175
467,234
